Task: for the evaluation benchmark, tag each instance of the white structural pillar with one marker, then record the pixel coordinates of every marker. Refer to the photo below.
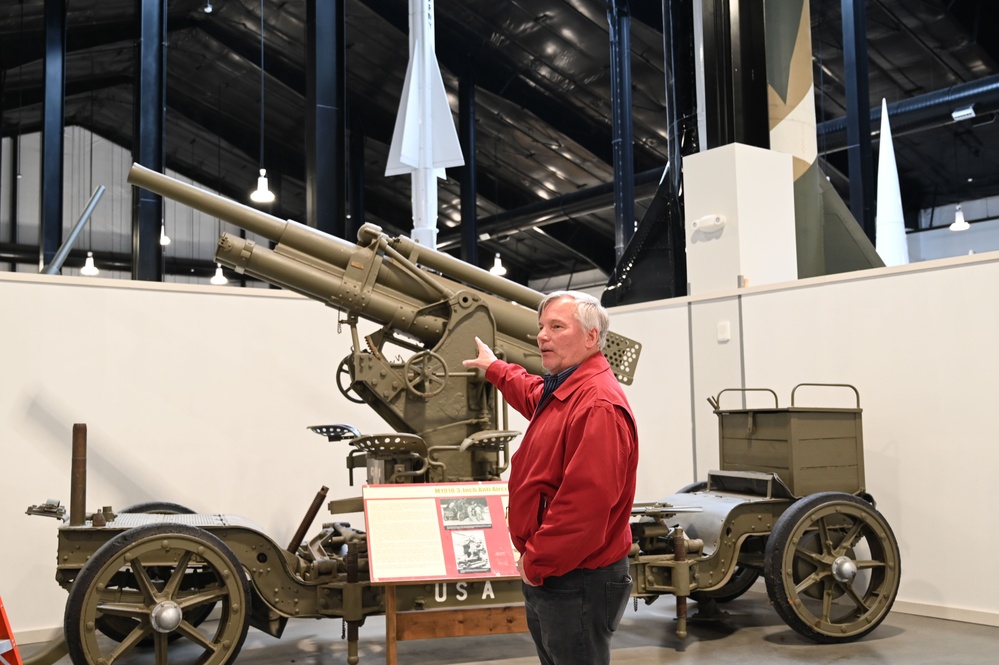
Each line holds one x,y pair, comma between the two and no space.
739,218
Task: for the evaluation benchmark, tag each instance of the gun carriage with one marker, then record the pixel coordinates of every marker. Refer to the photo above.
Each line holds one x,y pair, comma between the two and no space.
150,576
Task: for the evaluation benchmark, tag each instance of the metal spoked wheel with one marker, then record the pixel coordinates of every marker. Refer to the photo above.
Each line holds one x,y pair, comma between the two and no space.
426,374
160,558
344,379
832,567
119,627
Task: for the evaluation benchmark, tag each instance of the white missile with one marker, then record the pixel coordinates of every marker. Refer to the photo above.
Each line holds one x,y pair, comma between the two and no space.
424,141
889,228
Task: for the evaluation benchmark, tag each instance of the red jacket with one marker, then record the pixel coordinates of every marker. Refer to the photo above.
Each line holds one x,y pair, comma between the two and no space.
572,480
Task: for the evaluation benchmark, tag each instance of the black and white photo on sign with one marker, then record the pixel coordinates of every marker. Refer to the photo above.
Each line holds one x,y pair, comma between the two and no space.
465,513
470,554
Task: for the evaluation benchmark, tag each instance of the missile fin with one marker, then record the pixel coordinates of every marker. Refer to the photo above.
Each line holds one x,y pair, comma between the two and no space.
446,148
404,150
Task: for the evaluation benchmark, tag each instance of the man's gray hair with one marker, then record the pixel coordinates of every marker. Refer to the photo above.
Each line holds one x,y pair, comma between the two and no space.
589,312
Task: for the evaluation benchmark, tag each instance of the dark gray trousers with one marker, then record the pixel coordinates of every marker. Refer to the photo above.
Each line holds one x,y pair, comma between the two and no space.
573,617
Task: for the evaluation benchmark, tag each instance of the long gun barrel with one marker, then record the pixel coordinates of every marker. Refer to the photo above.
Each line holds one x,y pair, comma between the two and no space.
379,279
386,287
427,303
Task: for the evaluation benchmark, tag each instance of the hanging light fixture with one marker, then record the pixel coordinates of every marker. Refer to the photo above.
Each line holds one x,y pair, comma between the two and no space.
208,7
164,238
262,194
498,267
218,279
960,224
89,269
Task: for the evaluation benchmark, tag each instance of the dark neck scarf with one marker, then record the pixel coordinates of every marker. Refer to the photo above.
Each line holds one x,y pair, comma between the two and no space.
552,381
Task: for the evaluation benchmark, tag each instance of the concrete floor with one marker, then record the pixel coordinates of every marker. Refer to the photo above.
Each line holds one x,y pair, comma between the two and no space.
750,632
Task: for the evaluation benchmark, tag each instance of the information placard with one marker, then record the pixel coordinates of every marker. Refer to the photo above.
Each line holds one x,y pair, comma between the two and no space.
448,531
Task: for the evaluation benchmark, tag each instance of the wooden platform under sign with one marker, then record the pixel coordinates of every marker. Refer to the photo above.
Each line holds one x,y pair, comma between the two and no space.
462,622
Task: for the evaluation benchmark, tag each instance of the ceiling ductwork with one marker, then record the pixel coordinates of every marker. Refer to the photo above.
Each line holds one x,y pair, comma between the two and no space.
924,112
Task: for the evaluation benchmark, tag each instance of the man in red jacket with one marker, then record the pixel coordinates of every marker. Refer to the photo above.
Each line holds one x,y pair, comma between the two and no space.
572,482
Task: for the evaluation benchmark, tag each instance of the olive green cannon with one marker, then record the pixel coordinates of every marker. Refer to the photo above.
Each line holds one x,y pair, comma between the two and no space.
429,305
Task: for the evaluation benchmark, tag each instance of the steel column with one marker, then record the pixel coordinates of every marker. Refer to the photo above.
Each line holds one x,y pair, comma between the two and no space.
15,189
619,27
356,178
676,50
53,108
858,120
3,86
466,137
654,264
325,126
149,123
749,73
734,66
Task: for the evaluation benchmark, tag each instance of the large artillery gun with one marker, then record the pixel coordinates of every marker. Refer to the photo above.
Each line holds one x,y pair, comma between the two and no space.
428,304
789,502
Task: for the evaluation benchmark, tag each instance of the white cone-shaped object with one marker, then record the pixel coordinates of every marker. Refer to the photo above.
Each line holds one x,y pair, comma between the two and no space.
890,239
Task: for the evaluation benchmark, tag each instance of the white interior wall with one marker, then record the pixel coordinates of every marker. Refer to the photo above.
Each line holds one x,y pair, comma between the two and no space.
202,395
659,395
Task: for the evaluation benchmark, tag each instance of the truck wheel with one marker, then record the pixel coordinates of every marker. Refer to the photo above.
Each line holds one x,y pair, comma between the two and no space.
158,558
832,567
118,627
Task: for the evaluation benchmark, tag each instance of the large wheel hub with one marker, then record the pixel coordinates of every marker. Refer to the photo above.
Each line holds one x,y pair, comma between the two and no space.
844,569
166,616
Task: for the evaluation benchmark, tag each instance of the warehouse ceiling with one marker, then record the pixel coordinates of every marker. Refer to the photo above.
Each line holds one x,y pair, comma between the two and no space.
543,112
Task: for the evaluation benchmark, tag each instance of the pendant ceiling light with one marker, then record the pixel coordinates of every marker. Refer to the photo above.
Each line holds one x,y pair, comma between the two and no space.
960,223
262,194
498,267
218,279
89,269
